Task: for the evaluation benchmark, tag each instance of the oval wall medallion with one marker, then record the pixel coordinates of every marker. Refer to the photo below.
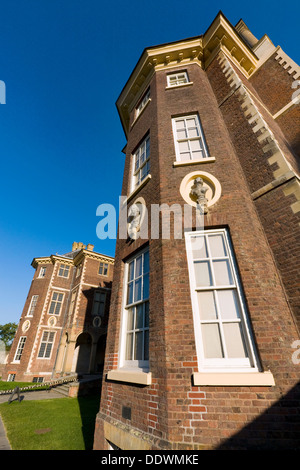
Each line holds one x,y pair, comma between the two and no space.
210,185
52,321
26,326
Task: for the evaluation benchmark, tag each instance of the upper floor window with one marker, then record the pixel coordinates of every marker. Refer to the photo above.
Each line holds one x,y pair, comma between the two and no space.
42,272
222,332
136,312
56,303
142,103
99,303
189,138
32,305
46,345
20,348
64,270
178,78
103,269
141,166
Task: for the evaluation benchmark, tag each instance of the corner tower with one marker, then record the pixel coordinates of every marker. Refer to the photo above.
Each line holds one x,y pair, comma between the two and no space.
204,316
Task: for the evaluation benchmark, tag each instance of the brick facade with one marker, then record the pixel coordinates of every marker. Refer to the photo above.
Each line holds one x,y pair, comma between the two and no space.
179,406
77,342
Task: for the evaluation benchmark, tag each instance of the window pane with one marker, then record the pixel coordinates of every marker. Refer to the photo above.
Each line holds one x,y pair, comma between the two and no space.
48,350
131,271
193,132
138,290
181,134
217,247
146,286
234,341
146,314
199,247
202,274
130,293
212,341
138,347
195,145
207,306
180,124
222,273
130,319
183,147
228,304
138,266
57,309
185,157
128,354
146,345
146,262
42,349
139,316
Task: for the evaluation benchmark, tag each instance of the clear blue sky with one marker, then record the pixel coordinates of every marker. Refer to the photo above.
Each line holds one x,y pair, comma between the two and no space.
64,64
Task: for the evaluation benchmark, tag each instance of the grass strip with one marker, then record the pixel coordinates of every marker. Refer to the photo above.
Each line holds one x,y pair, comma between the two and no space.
52,424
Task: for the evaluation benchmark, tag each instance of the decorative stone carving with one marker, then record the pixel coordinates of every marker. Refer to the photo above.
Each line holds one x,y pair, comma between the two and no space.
134,218
198,192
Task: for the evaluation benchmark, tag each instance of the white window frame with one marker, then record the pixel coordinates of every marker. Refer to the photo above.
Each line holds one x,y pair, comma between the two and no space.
142,103
103,269
247,364
47,339
189,139
135,364
141,163
42,272
64,270
32,306
57,303
177,78
20,348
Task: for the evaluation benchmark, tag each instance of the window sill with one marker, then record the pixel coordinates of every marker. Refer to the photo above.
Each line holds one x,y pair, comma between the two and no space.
195,162
234,379
137,189
131,376
179,86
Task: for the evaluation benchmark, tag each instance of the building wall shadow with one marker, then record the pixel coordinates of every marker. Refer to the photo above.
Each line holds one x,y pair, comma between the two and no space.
278,428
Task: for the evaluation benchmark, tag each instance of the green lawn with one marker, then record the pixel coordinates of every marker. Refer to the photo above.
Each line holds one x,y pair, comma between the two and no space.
13,385
52,424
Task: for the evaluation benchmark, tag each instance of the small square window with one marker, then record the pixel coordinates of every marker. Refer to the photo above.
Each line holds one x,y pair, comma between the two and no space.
64,270
103,269
42,272
176,79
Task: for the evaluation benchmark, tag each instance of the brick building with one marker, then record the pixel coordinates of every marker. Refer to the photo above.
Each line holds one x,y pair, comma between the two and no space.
63,326
204,324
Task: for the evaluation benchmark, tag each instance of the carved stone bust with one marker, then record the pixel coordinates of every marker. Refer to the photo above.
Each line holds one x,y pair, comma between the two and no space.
198,191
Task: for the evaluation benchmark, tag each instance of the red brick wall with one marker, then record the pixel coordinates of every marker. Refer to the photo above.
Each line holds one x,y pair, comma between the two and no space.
281,225
171,413
274,84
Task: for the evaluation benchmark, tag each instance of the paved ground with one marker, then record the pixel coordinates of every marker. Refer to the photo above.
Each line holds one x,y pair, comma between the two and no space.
36,395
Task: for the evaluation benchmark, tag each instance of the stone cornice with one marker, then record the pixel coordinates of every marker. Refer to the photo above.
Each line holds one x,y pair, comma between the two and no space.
199,50
72,261
92,255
